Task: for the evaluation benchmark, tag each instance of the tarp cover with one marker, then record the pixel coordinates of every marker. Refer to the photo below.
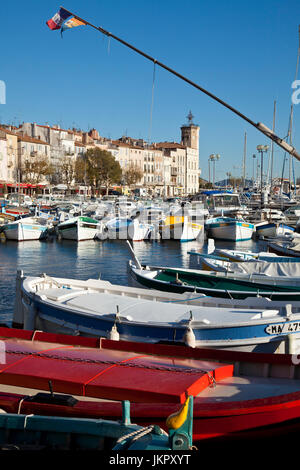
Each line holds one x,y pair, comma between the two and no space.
266,268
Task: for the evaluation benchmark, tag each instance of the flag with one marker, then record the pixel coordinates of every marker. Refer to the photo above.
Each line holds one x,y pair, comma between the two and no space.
71,23
58,19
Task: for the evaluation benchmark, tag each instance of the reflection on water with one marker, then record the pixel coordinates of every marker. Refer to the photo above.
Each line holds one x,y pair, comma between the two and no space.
92,259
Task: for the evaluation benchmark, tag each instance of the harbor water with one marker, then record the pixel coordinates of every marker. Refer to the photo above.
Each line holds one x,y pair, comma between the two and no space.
93,259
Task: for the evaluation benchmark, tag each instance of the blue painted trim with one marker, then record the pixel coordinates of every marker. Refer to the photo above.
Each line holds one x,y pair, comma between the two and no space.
170,332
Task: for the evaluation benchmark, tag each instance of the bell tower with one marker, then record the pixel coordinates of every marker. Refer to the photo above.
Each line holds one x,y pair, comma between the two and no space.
190,133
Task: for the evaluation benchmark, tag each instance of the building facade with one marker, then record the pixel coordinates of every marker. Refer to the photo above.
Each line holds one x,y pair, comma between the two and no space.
167,168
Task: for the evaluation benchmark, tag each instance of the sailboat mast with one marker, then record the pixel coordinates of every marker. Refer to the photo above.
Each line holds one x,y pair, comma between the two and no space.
272,149
244,159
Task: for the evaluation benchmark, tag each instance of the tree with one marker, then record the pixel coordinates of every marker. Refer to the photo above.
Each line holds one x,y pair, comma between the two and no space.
132,175
80,173
102,169
35,170
67,171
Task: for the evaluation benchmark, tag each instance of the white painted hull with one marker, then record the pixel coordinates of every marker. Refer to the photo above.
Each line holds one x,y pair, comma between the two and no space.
78,230
231,231
24,231
59,304
187,231
79,233
138,231
123,229
273,230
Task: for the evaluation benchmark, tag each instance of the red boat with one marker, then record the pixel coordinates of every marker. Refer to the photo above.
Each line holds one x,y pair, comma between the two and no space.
237,394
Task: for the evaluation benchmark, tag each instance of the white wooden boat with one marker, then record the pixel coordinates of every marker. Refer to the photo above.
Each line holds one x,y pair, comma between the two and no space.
179,227
79,228
272,230
27,228
127,228
92,309
227,228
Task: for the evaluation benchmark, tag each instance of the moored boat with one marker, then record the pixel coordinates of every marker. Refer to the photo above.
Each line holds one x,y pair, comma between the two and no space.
211,283
241,394
89,308
127,228
53,431
79,228
179,227
27,228
228,228
272,230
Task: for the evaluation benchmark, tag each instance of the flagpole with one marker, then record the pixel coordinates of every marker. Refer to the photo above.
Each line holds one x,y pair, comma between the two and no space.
259,126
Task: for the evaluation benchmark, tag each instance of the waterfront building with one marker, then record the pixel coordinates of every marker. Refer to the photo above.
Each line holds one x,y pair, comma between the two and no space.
12,168
61,141
30,152
3,161
168,168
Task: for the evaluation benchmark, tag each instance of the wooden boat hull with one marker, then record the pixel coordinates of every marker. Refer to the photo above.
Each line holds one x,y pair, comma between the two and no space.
272,230
230,230
180,228
82,229
34,432
55,305
24,230
128,229
165,279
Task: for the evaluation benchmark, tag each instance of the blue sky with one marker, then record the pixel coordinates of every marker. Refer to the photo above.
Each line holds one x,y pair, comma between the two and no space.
242,51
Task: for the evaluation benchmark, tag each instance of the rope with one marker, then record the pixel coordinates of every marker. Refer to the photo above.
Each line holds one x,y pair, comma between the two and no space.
184,300
50,279
152,100
20,405
25,420
138,434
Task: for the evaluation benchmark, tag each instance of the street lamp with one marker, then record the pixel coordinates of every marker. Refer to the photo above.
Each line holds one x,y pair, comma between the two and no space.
262,149
254,157
228,174
213,157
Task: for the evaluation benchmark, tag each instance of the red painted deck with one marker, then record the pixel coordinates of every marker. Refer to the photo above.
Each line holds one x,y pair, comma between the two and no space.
101,373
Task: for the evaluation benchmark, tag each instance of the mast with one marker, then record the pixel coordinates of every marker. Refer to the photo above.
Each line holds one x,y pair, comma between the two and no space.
259,126
244,159
272,148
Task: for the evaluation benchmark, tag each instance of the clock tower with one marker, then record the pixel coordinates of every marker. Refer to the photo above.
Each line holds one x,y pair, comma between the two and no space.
190,133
